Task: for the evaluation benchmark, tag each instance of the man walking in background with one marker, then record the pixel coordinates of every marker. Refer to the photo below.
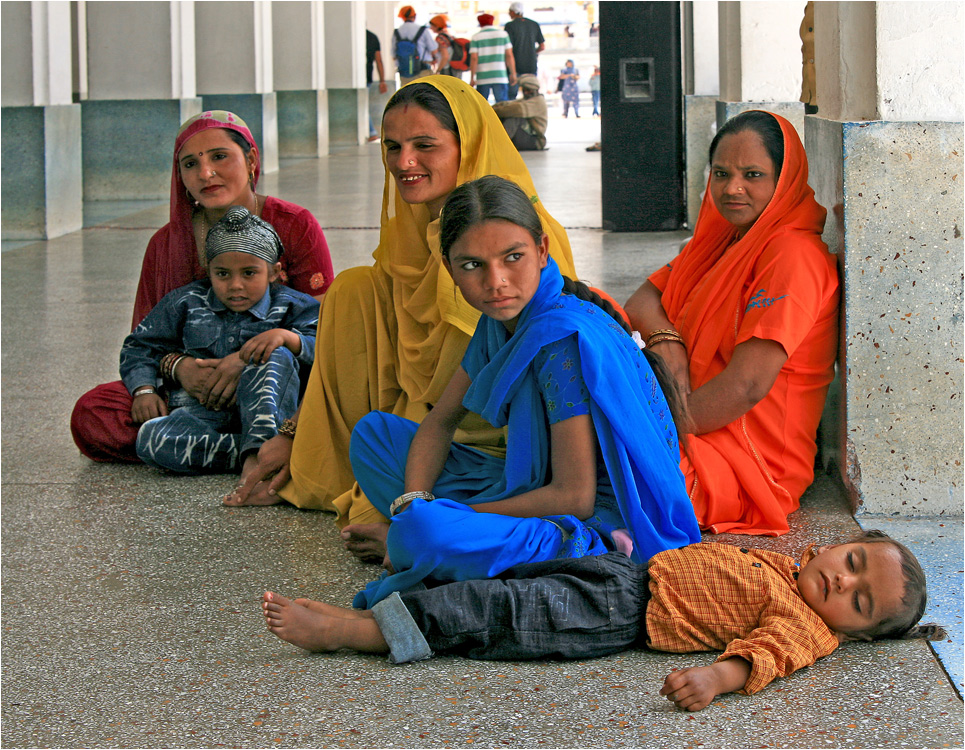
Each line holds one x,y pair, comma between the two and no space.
527,39
491,64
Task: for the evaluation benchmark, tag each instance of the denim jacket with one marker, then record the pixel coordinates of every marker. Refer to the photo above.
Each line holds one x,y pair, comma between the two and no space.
192,319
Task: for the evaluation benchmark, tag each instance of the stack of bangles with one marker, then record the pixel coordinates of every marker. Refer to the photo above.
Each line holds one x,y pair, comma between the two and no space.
169,363
404,499
662,335
287,428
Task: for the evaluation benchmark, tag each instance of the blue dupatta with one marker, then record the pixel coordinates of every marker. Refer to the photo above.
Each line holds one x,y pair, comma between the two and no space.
631,417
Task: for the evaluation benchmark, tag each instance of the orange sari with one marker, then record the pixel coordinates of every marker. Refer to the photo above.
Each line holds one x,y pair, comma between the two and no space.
778,282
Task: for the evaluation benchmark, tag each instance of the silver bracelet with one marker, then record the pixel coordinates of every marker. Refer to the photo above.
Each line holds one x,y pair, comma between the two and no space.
408,497
143,390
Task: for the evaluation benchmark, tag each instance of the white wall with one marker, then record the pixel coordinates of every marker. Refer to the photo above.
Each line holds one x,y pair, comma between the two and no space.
706,52
920,60
16,55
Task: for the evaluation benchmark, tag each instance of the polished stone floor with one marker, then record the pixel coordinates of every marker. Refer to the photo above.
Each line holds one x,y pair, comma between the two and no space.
130,598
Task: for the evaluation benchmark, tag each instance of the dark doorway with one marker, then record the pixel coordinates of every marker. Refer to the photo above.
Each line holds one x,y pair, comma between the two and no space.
642,128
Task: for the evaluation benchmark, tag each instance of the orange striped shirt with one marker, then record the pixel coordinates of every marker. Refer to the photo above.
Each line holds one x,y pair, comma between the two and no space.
744,602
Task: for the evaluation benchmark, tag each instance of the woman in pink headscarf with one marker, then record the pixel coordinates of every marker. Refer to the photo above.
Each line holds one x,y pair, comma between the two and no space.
216,165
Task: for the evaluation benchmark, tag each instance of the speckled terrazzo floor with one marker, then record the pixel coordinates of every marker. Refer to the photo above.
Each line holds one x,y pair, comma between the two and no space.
130,610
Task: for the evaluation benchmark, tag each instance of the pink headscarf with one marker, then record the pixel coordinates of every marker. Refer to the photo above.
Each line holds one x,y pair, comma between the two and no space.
181,208
172,260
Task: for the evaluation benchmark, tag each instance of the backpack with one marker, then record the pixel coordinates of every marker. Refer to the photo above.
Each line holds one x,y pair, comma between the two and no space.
459,55
406,51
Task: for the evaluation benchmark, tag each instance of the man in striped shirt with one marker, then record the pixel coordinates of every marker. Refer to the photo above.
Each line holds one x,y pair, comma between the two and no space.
491,64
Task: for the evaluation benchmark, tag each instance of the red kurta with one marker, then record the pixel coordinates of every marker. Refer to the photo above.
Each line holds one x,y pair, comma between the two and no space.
101,421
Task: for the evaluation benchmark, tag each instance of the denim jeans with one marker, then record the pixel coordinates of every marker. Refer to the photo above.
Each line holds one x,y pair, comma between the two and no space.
193,439
574,609
500,90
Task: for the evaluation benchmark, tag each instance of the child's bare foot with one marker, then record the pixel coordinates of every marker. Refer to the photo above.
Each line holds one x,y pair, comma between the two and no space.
298,625
366,540
258,496
333,611
315,631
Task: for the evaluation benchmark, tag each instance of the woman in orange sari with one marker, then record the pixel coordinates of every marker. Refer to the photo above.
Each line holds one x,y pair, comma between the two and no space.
746,317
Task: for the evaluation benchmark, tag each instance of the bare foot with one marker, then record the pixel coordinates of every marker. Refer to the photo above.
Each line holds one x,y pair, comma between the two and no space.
366,540
298,625
315,631
258,496
332,611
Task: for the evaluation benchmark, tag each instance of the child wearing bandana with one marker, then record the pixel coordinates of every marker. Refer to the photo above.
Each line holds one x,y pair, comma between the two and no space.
237,311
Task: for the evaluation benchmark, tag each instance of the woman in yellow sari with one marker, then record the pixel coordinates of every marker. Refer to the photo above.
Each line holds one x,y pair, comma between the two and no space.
392,334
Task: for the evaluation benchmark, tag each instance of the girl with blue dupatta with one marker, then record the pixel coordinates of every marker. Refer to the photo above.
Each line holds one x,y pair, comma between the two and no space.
592,459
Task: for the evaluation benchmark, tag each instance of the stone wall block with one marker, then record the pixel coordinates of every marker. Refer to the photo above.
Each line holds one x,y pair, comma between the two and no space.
901,224
127,146
302,123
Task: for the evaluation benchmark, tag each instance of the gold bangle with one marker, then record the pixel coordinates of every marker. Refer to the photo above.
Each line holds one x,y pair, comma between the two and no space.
664,332
664,339
287,428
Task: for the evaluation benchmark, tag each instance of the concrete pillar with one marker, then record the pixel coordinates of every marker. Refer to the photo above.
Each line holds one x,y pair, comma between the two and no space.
885,151
235,66
380,20
701,91
41,155
348,110
760,59
140,88
299,65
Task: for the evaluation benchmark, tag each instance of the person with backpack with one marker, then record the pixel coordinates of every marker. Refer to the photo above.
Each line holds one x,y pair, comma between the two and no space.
453,52
415,51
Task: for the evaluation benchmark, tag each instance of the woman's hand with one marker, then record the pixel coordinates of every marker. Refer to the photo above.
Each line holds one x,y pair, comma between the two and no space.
148,406
674,353
259,348
192,376
274,458
218,390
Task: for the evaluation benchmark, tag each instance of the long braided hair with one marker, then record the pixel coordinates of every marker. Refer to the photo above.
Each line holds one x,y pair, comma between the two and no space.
493,197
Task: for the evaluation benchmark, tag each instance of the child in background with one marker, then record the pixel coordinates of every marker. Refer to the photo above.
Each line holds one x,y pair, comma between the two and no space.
236,310
769,615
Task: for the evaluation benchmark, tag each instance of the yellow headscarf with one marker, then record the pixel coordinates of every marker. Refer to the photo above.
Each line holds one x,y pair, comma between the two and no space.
423,293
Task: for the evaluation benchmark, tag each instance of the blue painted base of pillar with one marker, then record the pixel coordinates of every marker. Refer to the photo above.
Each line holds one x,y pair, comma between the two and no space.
302,123
348,116
128,144
260,113
41,172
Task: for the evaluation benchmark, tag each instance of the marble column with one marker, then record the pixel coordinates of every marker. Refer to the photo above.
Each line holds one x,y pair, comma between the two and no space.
701,91
299,66
345,73
885,152
41,148
140,88
235,68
